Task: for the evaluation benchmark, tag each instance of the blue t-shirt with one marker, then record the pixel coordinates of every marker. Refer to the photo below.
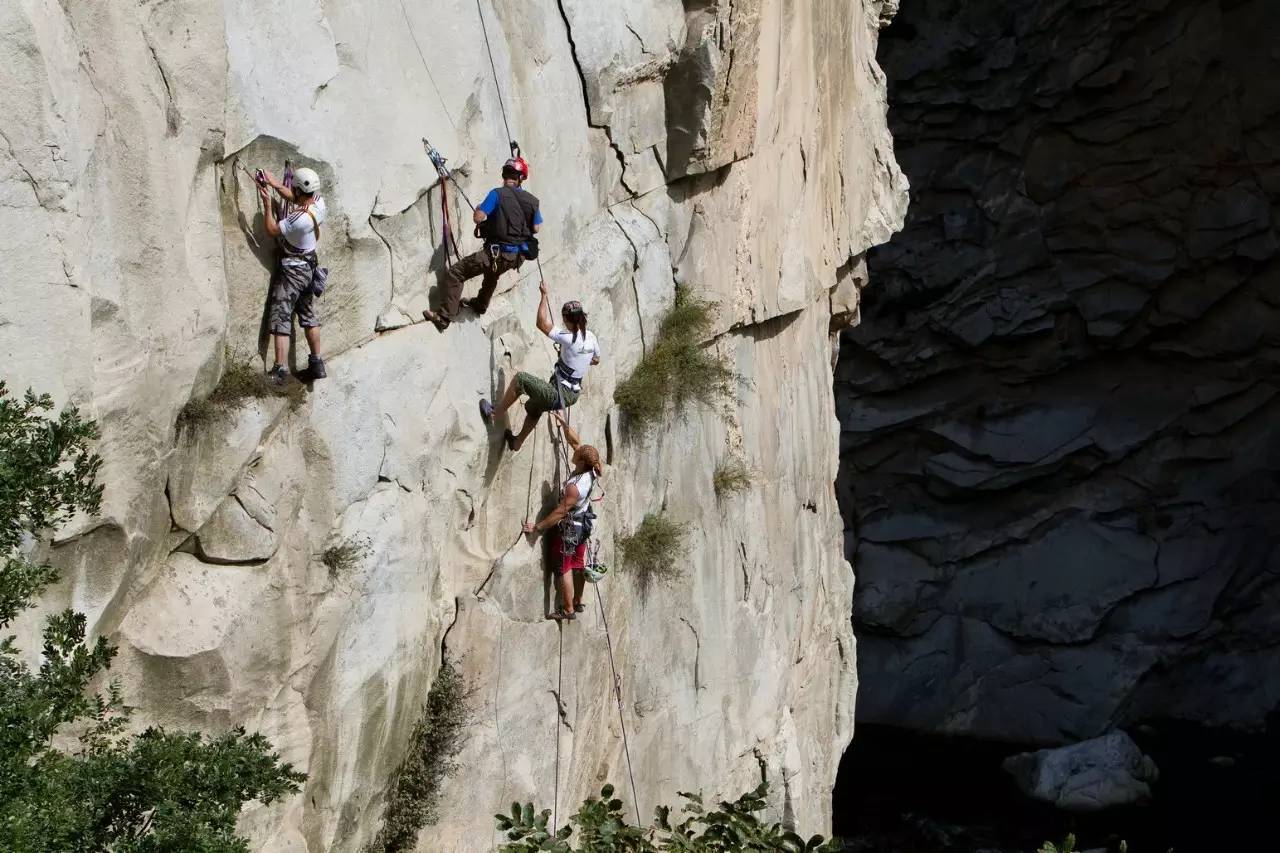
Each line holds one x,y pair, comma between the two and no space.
490,204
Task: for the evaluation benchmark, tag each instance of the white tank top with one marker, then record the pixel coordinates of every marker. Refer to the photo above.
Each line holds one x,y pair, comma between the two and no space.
585,481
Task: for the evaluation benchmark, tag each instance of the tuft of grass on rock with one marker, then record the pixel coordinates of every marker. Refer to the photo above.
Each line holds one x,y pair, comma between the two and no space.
731,477
678,369
341,559
413,801
654,551
240,381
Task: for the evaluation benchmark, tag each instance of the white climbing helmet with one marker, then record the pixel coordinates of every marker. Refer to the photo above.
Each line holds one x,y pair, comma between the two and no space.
306,180
595,571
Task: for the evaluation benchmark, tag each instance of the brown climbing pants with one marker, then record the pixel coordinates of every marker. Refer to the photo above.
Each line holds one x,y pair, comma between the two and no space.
477,263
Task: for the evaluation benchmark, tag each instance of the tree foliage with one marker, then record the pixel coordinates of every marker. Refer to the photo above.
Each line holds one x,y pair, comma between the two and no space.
601,826
109,790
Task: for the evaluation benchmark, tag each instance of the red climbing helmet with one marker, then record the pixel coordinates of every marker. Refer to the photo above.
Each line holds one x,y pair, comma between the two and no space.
517,164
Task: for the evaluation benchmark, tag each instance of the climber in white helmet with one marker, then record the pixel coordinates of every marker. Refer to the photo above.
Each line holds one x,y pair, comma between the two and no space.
508,219
299,276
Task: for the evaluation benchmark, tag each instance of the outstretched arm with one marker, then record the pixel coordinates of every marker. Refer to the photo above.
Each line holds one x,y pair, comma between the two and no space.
570,434
268,213
544,310
556,515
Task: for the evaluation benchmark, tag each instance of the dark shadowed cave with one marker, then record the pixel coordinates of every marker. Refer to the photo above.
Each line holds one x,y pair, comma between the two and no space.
1060,457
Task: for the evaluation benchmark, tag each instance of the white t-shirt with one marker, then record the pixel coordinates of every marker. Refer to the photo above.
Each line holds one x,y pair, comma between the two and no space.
576,355
297,229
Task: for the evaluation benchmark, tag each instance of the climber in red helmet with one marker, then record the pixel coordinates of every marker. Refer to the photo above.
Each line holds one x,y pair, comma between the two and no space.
508,219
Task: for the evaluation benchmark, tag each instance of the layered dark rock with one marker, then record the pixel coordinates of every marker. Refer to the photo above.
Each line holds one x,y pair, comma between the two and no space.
1061,411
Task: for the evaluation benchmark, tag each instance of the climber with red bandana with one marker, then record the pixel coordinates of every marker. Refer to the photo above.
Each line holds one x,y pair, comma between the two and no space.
507,219
573,520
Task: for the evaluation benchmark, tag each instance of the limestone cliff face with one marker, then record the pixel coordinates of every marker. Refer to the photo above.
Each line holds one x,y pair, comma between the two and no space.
737,146
1061,460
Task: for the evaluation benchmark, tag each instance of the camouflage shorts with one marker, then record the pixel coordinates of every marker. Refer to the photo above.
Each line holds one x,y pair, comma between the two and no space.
544,395
290,294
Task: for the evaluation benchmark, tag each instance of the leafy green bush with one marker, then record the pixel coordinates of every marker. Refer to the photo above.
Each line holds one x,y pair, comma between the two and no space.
678,369
601,826
114,791
654,550
342,558
731,477
1068,846
438,735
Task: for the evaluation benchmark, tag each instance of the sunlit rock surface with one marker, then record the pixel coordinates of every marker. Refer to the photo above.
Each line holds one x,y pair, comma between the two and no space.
737,147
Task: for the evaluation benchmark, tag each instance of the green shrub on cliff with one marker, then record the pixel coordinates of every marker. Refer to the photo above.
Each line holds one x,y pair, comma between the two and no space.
654,550
677,369
107,789
415,791
600,826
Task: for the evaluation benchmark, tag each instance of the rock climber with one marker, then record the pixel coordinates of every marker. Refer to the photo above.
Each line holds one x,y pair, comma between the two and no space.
579,349
508,219
298,234
572,520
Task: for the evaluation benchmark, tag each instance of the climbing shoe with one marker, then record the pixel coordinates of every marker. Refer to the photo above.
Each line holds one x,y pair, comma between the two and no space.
578,608
315,368
486,412
441,323
511,440
562,615
470,305
278,375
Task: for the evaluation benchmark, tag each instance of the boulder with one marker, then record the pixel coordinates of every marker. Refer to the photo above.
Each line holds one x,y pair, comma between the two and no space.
1097,774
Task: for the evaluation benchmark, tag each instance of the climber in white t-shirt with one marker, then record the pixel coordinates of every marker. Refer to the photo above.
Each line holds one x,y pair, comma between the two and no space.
297,230
579,349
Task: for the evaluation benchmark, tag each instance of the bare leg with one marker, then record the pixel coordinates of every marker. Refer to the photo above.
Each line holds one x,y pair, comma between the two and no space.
530,421
282,348
313,339
566,591
579,584
508,400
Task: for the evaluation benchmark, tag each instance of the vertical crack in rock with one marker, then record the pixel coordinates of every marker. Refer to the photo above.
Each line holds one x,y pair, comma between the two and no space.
562,710
31,179
635,268
172,117
697,655
586,100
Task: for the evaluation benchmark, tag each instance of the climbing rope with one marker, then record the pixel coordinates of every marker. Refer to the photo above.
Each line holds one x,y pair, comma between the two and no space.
446,230
494,69
555,798
617,693
409,26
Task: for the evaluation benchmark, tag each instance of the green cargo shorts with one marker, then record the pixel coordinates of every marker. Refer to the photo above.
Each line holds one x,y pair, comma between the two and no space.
543,396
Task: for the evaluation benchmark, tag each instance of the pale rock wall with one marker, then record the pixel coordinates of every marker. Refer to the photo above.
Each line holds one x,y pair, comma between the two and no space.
739,147
1060,452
